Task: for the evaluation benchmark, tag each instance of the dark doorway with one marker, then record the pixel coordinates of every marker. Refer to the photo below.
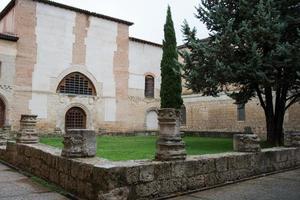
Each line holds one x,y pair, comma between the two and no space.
75,119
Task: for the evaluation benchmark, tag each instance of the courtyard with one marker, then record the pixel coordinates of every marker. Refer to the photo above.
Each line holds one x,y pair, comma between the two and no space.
89,111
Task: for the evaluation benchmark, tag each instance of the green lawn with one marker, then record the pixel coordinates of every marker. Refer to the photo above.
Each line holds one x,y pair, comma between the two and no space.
143,147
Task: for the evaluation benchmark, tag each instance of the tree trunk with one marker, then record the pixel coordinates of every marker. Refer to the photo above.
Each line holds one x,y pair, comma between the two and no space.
275,119
271,135
269,114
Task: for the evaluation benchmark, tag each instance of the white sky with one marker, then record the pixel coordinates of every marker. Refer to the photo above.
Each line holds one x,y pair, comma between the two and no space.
148,15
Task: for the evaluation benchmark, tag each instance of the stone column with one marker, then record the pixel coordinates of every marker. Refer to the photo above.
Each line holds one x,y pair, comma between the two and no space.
169,145
79,143
27,133
5,134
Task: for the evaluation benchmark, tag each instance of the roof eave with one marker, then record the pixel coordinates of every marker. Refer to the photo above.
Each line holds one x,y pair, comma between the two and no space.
7,37
59,5
145,42
7,8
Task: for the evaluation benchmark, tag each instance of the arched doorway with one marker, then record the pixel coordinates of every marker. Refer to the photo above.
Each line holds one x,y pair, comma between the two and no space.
2,113
151,120
75,118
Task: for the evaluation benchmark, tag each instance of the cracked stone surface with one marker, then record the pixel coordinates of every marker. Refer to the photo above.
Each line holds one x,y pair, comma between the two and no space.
15,186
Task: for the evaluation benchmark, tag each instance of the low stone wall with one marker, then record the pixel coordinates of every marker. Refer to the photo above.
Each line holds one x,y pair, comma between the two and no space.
133,133
211,134
95,178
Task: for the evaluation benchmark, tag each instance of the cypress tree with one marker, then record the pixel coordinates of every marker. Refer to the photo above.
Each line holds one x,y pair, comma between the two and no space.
170,91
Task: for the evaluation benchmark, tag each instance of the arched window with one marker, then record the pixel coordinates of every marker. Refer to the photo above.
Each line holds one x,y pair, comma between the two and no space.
183,115
149,86
76,83
75,119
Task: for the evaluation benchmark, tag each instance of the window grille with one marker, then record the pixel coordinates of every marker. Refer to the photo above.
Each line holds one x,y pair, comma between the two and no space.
75,119
76,83
149,86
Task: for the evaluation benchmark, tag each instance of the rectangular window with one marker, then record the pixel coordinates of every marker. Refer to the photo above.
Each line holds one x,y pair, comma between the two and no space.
241,113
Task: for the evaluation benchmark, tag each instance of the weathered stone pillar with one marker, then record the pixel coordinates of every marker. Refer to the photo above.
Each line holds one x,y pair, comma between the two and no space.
291,139
5,134
169,145
246,143
28,133
79,143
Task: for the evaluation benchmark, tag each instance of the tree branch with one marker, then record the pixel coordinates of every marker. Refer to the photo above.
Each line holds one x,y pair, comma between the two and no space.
259,94
297,98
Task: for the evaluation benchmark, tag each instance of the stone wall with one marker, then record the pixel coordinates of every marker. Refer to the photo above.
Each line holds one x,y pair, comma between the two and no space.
7,23
210,134
97,47
220,115
96,178
8,52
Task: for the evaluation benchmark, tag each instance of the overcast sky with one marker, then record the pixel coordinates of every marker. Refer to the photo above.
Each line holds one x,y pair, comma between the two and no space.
148,15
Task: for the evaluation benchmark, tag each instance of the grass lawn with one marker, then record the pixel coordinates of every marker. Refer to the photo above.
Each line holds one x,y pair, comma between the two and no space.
143,147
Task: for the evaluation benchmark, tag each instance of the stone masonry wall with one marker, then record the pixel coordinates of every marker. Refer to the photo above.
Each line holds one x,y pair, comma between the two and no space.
96,47
220,115
96,178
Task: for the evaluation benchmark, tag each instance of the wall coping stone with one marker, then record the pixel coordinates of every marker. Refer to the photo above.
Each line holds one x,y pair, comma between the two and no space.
98,178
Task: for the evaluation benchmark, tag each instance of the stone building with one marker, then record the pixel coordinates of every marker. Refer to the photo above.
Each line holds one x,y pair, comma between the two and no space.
74,68
78,69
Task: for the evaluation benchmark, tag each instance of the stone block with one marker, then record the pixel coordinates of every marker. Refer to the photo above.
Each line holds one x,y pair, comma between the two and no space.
147,173
246,143
85,172
4,134
116,194
45,171
178,169
64,165
210,179
190,168
163,171
11,152
54,176
89,192
291,139
205,166
172,185
132,175
221,164
195,182
27,133
79,143
147,189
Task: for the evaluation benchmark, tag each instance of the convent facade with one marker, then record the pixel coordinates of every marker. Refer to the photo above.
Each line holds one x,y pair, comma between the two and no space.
78,69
